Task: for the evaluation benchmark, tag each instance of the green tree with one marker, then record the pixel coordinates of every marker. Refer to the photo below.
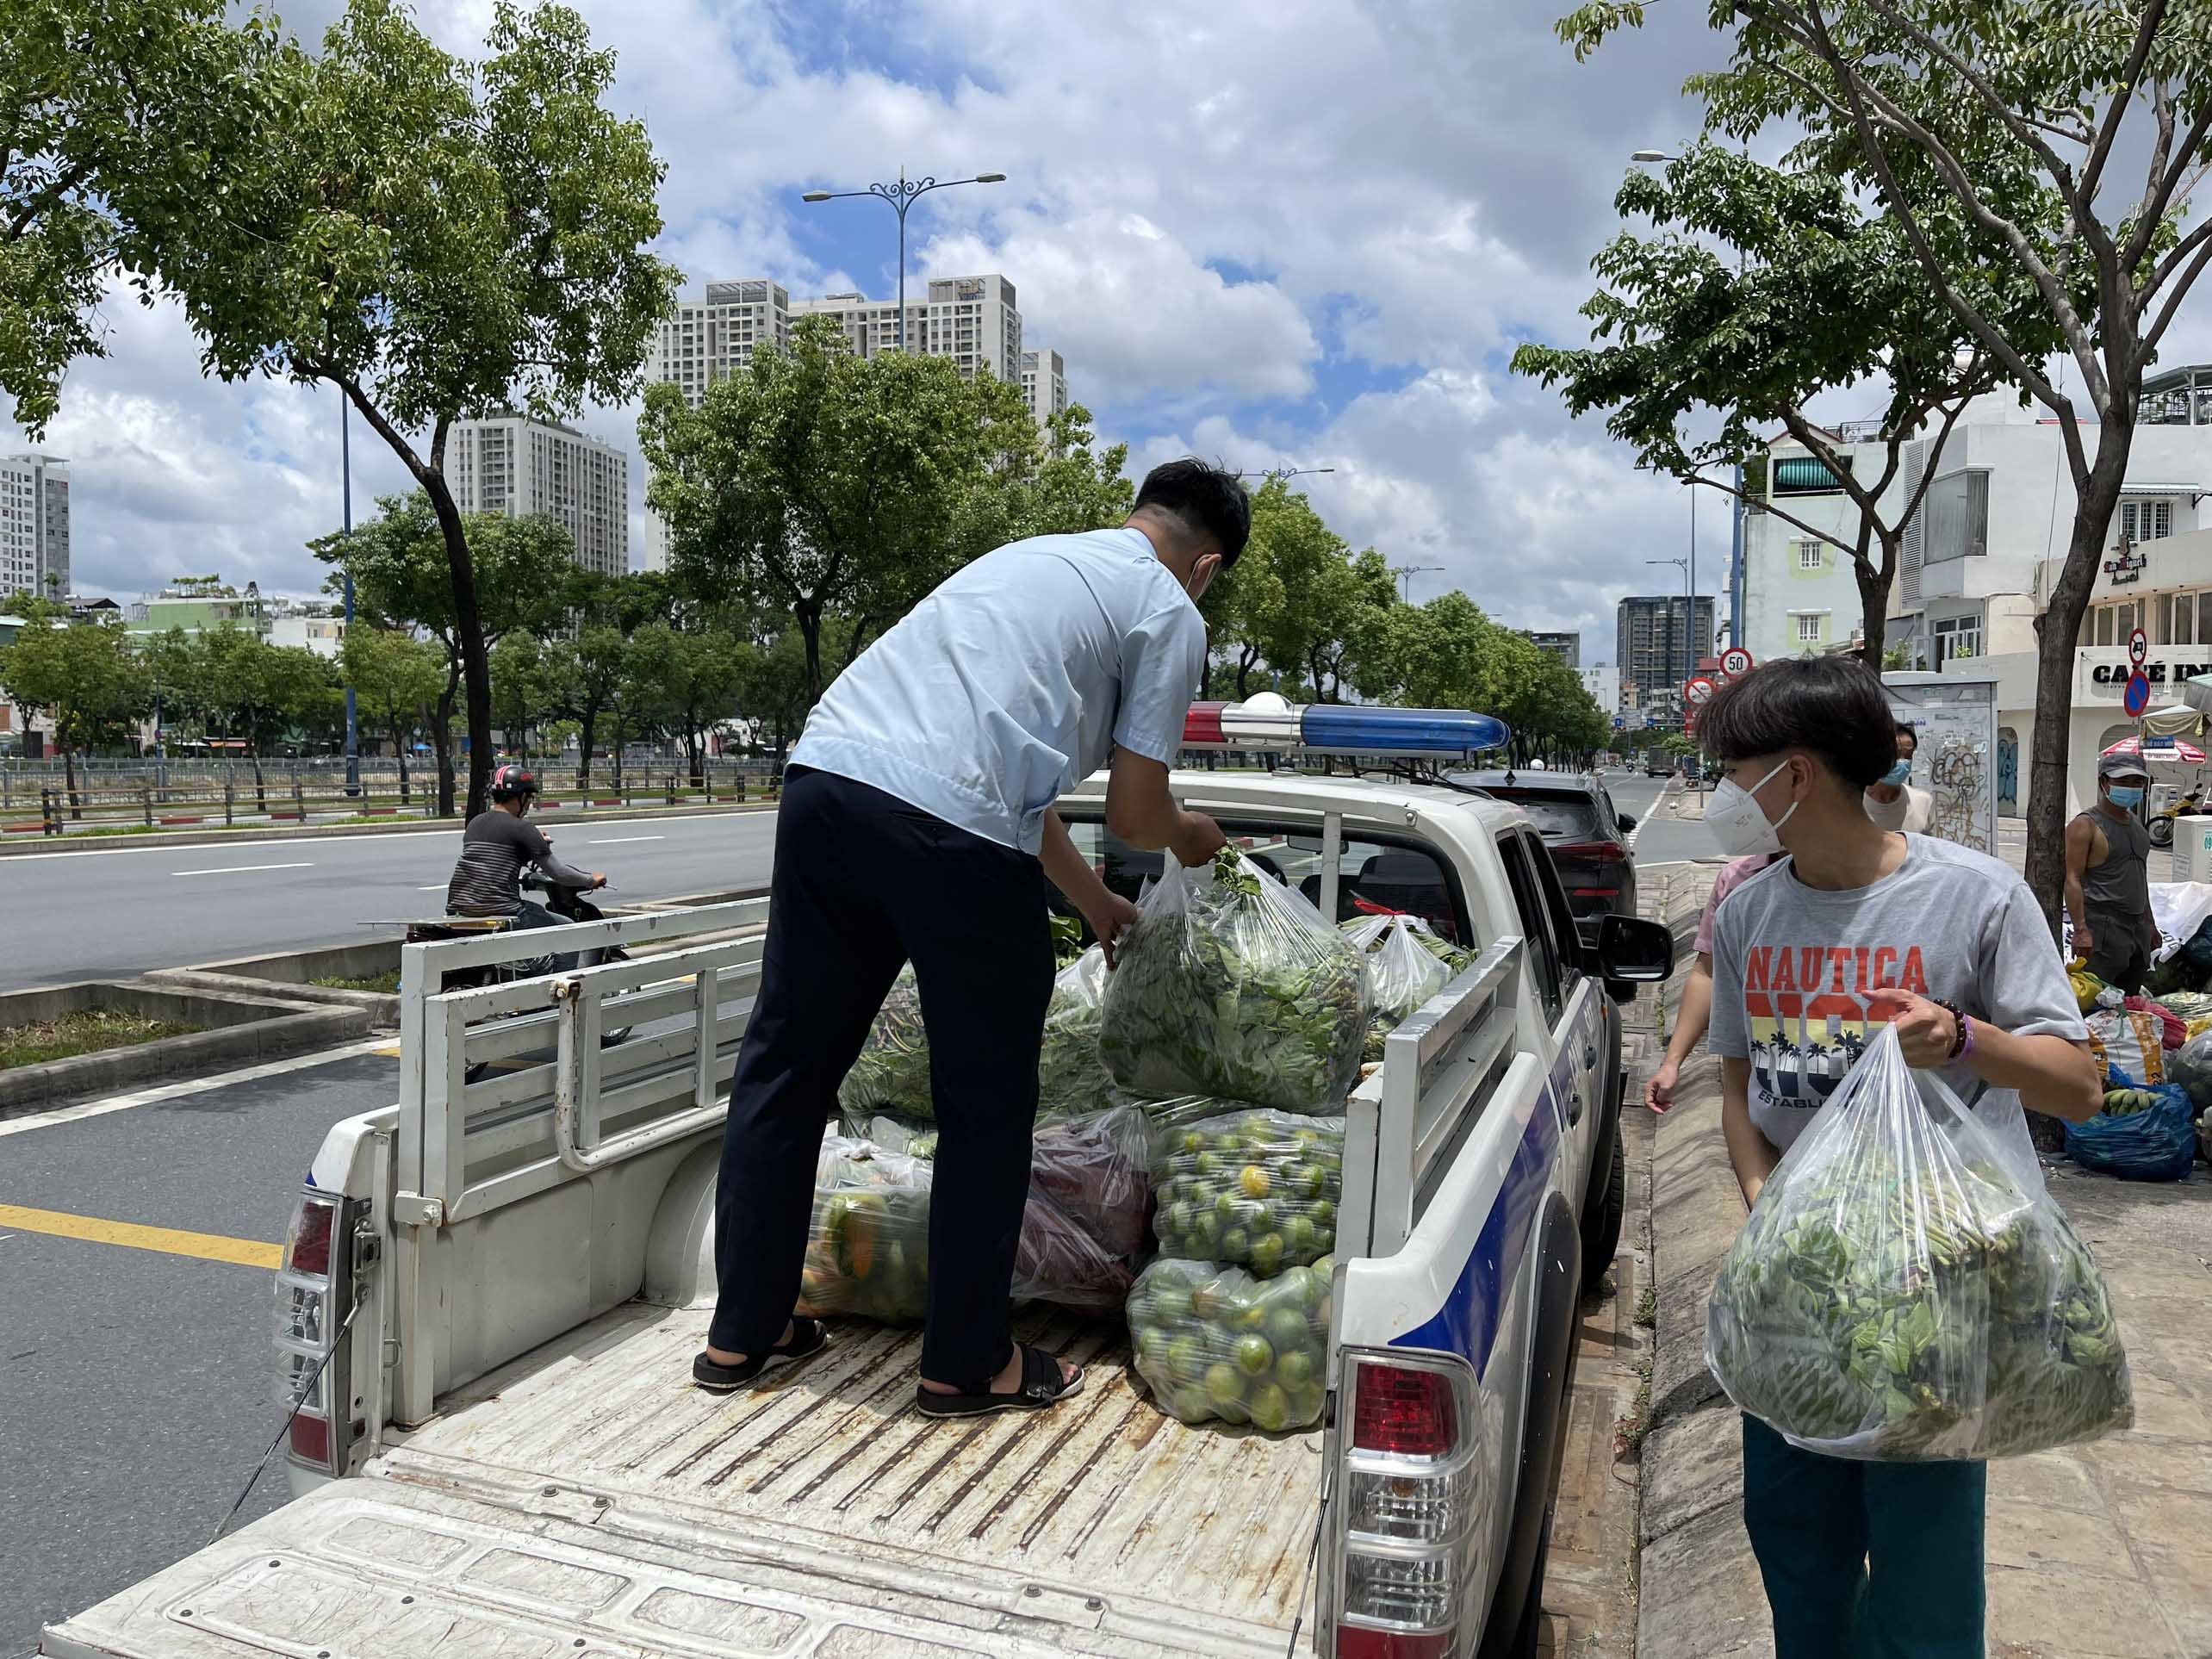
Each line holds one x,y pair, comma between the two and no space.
398,678
88,680
1300,605
1069,486
524,670
439,240
1764,288
247,688
817,481
401,576
773,688
685,684
2021,113
116,118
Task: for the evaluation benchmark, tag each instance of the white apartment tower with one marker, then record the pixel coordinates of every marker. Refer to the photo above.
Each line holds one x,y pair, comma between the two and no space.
972,320
34,525
1044,383
513,464
711,339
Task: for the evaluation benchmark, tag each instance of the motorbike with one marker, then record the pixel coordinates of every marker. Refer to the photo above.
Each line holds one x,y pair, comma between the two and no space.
569,903
2160,824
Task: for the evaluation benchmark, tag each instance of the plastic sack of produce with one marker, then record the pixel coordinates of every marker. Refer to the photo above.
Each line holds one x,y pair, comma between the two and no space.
1096,1169
2204,1137
1401,974
1072,1074
2126,1041
916,1137
867,1248
1905,1290
2190,1006
2173,1031
1256,1188
2088,990
1231,983
2141,1135
1215,1342
894,1068
868,1245
2190,1066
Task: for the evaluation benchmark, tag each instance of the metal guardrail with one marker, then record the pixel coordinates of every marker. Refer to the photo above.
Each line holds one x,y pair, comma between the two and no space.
1438,1066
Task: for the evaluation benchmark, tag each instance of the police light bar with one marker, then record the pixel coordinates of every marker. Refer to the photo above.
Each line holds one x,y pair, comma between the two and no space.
1268,723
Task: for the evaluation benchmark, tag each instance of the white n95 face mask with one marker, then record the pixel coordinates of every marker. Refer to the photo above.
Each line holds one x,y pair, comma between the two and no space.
1738,822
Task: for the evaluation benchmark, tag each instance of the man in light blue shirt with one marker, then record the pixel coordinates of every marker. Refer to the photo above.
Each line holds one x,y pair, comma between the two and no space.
917,825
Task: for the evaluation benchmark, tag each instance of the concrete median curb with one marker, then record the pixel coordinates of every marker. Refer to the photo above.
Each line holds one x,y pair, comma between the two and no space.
241,1027
248,835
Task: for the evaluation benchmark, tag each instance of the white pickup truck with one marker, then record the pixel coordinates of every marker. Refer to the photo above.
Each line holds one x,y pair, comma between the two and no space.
492,1292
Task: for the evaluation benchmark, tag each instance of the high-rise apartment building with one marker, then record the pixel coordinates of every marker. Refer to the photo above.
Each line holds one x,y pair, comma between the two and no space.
34,525
514,465
1658,647
704,341
972,320
1044,383
1566,647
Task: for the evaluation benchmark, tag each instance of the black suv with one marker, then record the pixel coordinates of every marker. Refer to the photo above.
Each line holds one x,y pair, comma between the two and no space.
1587,838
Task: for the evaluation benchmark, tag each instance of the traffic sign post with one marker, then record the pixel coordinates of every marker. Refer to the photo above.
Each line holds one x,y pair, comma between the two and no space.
1699,690
2138,695
2139,647
1735,662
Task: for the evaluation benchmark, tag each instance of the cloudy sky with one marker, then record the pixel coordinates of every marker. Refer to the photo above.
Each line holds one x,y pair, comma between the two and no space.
1295,233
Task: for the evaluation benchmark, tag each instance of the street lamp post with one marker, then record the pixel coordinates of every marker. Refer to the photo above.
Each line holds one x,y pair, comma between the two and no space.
901,196
1285,472
345,488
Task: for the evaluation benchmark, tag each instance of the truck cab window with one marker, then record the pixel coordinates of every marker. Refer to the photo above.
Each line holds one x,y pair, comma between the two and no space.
1559,915
1531,907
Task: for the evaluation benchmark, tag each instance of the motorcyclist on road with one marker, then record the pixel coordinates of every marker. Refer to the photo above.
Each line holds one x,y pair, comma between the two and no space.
495,847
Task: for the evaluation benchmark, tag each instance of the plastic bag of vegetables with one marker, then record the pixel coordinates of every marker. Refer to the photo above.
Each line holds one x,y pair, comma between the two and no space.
1231,983
1905,1290
915,1136
1401,973
1256,1188
2141,1135
893,1068
1072,1074
1096,1169
2190,1065
1215,1342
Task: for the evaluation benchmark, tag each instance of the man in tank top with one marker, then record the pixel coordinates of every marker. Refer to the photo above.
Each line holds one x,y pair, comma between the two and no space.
2108,878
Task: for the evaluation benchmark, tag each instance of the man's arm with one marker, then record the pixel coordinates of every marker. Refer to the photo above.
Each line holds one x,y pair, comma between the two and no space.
2054,1075
1141,810
1107,911
1690,1021
2081,836
1751,1152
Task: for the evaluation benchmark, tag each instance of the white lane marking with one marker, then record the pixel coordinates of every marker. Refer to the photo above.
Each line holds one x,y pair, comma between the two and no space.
616,840
244,838
245,869
201,1085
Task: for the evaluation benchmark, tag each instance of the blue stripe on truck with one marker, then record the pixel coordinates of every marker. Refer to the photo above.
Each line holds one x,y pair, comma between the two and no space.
1468,1323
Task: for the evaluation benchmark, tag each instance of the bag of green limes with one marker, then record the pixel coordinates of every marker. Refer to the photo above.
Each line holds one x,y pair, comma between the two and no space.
1256,1188
1215,1342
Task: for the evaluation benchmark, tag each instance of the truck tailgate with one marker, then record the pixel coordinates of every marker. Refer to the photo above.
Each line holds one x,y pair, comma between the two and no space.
586,1500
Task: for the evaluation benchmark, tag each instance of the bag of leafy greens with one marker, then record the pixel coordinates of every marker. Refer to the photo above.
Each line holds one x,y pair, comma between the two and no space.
1071,1075
1905,1290
1403,973
1231,983
893,1068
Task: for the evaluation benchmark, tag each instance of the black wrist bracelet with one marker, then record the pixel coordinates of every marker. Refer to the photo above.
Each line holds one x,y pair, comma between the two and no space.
1959,1025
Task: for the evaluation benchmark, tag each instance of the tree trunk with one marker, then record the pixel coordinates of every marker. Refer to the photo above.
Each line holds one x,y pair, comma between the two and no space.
809,618
1874,603
468,630
260,783
399,748
2056,632
69,778
441,741
588,723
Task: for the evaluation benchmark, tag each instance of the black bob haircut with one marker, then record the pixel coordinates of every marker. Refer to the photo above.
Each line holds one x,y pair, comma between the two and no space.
1830,707
1206,500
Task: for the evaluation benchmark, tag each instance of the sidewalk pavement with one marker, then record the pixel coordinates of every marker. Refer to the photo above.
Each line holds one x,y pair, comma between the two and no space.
2098,1551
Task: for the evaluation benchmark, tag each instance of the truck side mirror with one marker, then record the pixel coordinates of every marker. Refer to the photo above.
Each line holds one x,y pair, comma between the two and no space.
1627,821
1634,951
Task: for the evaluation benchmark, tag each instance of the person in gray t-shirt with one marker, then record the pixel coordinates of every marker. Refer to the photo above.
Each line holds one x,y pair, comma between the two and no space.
1857,927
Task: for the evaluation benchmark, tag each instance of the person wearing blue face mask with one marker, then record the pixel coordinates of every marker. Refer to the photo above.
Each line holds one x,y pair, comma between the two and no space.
1893,803
2109,880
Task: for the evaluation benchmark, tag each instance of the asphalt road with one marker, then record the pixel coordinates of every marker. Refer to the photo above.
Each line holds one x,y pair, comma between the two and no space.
137,1386
88,914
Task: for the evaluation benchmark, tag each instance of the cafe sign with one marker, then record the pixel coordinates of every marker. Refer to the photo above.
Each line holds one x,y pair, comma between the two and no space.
2106,682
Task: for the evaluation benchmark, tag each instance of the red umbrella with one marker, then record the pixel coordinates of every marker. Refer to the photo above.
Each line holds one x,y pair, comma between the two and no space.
2174,750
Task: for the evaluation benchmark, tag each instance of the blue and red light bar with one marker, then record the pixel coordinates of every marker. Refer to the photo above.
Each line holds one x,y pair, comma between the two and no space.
1343,728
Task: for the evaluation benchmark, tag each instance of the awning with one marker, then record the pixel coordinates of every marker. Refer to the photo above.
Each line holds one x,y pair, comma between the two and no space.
2131,487
2196,692
2173,720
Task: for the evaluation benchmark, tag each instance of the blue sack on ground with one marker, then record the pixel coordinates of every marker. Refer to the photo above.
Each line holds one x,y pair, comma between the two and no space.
2157,1145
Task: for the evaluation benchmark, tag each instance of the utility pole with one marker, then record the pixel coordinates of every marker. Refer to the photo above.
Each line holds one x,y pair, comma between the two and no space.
345,489
900,197
1405,573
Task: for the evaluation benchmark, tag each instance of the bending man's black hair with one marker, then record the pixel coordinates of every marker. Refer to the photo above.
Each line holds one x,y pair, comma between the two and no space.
1207,502
1830,707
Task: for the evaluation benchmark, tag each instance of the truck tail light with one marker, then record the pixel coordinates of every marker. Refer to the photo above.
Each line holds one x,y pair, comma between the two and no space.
1411,1484
315,1368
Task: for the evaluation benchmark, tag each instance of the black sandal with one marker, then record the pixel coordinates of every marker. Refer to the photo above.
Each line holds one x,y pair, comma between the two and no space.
1042,1385
807,1337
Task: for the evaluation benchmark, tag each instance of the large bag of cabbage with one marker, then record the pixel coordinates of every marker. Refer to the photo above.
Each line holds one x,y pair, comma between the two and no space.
1905,1290
1214,1341
1256,1188
893,1068
1231,983
1401,972
2190,1065
1072,1074
2135,1137
868,1244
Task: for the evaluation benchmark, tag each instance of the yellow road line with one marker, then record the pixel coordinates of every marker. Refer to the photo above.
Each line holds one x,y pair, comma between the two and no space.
170,1241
